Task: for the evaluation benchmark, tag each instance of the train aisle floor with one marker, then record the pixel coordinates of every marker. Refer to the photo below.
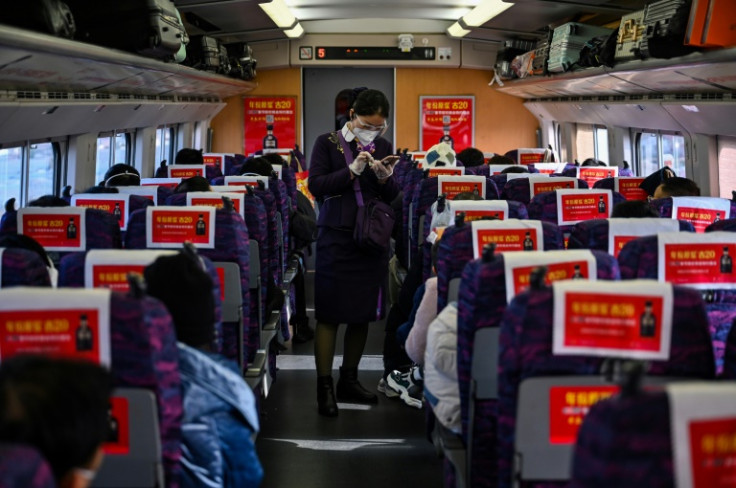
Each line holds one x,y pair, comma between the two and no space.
364,446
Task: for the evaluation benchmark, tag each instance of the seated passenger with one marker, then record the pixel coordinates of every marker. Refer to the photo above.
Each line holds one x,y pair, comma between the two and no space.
259,166
195,183
517,168
60,407
48,201
676,186
470,157
593,162
441,387
122,175
220,417
633,209
500,159
652,181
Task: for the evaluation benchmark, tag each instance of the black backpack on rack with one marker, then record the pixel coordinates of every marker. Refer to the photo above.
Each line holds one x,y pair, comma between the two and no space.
49,16
599,51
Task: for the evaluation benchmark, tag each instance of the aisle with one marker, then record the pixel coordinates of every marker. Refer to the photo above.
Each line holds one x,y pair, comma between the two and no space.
365,446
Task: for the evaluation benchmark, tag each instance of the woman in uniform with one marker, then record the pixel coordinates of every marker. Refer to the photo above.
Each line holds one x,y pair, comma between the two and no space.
348,281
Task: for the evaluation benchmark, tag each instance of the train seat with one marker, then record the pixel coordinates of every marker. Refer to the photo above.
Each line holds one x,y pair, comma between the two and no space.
109,268
482,170
21,267
714,209
641,258
595,234
23,466
526,353
529,155
231,236
519,189
482,299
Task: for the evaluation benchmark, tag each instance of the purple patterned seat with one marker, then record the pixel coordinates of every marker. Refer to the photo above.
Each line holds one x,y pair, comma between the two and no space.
593,234
482,170
288,176
625,441
22,466
728,225
518,190
71,275
605,184
526,351
516,211
402,167
481,304
231,245
640,259
21,267
231,165
144,355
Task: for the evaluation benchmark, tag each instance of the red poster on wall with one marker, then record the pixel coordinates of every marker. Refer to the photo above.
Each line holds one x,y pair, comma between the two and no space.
270,123
446,119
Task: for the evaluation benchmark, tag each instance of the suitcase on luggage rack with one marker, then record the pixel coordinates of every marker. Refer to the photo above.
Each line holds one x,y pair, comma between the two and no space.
148,27
505,56
242,62
224,68
567,41
541,55
49,16
203,53
630,34
665,22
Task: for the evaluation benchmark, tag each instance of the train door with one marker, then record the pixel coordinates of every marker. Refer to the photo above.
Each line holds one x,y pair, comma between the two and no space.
322,96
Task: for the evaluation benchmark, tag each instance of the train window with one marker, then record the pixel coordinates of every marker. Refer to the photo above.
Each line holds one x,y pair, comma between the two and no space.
584,142
726,166
601,144
656,150
11,166
112,148
41,166
165,144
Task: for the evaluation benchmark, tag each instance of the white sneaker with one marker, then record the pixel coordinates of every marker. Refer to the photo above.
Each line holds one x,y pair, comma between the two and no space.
408,389
384,388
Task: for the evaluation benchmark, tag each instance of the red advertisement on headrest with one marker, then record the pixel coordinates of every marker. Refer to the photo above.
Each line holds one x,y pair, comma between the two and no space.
114,276
575,206
629,188
591,174
530,156
705,263
713,451
699,217
118,440
117,205
214,199
185,170
509,239
446,171
167,226
452,186
567,407
570,270
246,181
68,333
221,276
471,215
550,184
56,229
215,160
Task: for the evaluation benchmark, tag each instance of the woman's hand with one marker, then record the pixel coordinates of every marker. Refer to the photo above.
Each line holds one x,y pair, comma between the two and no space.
360,162
384,168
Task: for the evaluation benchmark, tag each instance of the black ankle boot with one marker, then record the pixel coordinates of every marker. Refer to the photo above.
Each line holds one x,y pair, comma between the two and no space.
350,390
326,403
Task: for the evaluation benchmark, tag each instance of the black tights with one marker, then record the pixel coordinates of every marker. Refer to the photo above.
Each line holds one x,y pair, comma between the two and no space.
325,338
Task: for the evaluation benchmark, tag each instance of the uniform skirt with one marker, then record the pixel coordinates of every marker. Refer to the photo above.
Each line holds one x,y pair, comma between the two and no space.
348,283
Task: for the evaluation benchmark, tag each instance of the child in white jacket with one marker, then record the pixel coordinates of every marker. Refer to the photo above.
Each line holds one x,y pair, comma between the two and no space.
441,388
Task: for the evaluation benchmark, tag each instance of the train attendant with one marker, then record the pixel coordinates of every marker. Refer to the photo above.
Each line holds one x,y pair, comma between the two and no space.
347,166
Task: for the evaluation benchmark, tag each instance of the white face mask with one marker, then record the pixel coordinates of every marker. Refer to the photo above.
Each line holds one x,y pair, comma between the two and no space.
365,136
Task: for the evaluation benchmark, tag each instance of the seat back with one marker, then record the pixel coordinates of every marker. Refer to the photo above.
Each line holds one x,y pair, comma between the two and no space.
133,454
628,186
594,234
119,205
528,155
700,211
21,267
641,258
230,245
22,466
523,189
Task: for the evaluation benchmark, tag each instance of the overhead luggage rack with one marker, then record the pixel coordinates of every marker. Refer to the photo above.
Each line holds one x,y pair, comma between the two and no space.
31,60
702,72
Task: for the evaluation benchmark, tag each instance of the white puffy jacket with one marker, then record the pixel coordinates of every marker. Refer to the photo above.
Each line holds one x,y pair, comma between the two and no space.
440,369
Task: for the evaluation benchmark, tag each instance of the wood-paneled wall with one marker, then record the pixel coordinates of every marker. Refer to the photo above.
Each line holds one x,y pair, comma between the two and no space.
502,122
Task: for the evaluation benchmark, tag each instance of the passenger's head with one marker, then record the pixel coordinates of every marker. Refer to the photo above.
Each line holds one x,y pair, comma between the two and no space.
122,175
195,183
48,201
470,157
500,159
635,209
652,181
20,241
593,162
97,189
186,289
257,166
517,168
60,407
677,187
275,158
189,156
439,155
468,195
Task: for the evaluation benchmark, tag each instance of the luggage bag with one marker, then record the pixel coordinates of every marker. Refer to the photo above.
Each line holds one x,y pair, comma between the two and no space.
567,41
630,33
665,22
49,16
242,62
203,53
